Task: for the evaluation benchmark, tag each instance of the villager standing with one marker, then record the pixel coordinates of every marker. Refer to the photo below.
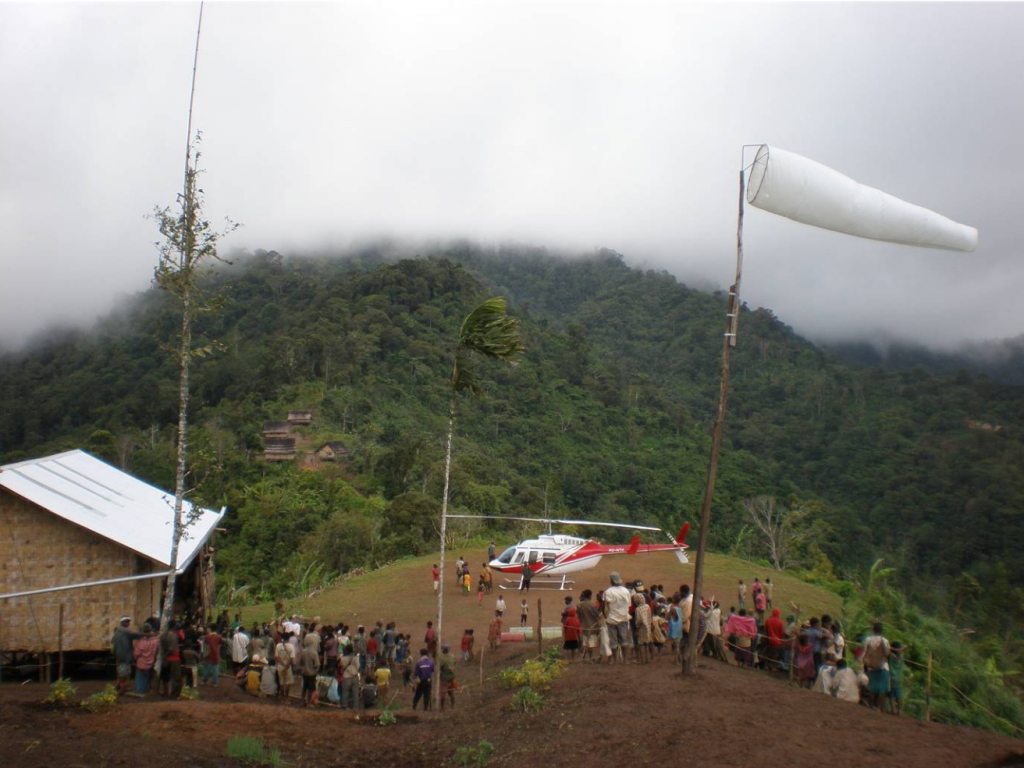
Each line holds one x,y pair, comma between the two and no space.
123,655
616,607
491,552
170,673
284,660
876,664
769,588
145,652
448,682
239,649
309,664
424,671
348,678
527,575
588,617
212,642
741,594
430,638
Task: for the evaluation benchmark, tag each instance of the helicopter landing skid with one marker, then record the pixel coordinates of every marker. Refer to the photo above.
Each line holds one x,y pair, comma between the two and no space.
552,584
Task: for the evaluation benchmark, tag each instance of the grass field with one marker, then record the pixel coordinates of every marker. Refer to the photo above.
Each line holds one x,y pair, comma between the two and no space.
403,593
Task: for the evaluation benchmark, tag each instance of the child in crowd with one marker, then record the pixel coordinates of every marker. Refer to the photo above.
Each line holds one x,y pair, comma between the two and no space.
480,591
383,679
524,613
494,631
369,693
467,645
407,666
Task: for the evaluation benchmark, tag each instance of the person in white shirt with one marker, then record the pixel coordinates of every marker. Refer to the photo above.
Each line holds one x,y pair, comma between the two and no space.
239,649
616,610
499,606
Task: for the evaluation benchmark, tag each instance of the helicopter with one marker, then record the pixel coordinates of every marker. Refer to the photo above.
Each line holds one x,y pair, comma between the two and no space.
554,555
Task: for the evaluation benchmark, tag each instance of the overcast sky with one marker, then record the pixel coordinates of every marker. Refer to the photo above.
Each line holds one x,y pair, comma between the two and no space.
571,125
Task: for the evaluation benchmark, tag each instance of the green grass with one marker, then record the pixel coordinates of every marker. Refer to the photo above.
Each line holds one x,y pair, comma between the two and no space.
403,592
254,750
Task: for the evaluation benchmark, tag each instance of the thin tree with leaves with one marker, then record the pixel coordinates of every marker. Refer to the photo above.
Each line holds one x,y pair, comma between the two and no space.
189,244
488,331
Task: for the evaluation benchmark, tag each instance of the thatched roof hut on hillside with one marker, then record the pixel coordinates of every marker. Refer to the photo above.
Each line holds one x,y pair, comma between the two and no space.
300,418
278,448
77,531
333,450
276,429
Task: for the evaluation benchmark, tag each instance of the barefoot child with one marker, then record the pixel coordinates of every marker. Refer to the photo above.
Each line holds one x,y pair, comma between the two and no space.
524,613
494,631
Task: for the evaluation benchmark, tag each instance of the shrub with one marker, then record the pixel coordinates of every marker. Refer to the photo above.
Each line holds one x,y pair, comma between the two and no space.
189,693
478,755
60,693
527,700
387,717
253,749
102,699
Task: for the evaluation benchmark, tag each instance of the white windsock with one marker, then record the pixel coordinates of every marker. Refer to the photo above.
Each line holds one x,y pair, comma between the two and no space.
789,185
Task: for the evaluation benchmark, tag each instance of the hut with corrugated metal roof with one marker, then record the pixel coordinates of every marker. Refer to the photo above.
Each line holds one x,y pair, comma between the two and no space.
83,543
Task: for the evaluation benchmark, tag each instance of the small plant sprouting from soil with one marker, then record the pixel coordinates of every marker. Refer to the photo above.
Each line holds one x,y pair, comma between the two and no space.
60,693
478,755
254,750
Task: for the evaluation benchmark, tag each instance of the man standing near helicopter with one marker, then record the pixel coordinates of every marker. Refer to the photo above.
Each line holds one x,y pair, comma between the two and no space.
616,607
527,575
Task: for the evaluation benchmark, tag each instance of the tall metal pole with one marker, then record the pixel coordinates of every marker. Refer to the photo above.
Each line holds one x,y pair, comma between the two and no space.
729,341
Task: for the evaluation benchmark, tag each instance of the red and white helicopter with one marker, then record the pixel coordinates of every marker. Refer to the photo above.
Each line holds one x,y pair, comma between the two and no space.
557,555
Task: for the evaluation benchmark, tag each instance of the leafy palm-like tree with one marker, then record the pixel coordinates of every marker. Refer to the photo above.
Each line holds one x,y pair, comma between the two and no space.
487,332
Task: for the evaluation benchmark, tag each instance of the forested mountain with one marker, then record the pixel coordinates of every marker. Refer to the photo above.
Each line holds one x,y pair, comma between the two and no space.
1002,360
607,416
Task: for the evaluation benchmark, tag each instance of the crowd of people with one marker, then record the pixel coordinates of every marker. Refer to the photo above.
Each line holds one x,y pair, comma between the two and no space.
633,623
629,622
349,667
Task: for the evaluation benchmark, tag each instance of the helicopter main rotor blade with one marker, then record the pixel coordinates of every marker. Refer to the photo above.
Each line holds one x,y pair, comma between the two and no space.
560,522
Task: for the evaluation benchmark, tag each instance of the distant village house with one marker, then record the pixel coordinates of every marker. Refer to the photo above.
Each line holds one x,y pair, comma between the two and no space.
333,450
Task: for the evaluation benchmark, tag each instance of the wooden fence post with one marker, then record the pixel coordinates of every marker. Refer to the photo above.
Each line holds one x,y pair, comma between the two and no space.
792,660
540,623
928,692
60,641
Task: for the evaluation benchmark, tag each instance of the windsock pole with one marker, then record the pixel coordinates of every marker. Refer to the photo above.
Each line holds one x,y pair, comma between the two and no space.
729,341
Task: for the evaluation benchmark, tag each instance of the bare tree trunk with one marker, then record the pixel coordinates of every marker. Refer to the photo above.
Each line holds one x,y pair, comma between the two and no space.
440,564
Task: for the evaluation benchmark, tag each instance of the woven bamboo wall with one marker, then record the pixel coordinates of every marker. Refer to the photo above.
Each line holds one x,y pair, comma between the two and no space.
39,550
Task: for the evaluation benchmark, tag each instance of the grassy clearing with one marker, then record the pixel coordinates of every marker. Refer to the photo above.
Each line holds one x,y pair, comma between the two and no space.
403,592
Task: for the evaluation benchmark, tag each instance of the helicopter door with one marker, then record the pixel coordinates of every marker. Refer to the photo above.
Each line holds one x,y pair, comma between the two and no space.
518,558
533,557
549,558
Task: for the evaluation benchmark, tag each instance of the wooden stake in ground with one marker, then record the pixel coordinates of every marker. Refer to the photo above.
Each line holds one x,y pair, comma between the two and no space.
928,692
540,646
60,641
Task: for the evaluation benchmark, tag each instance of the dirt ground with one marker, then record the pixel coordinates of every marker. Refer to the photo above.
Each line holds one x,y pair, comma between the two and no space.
593,715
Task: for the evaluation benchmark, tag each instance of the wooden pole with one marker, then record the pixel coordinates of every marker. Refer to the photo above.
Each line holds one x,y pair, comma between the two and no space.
729,341
928,692
60,641
540,646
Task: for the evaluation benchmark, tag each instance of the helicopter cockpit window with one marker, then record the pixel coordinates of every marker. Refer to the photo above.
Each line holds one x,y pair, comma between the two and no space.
519,557
506,556
533,557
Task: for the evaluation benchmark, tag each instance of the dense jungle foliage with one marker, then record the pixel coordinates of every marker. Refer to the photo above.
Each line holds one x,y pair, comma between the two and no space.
607,417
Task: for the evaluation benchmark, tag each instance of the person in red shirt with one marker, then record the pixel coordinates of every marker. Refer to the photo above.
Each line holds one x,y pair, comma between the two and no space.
431,639
571,633
436,574
775,631
211,656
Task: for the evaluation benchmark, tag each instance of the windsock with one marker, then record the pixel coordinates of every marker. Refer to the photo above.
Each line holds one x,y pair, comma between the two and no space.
790,185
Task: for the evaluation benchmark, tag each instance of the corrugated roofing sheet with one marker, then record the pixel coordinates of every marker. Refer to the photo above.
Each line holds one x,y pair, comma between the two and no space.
91,493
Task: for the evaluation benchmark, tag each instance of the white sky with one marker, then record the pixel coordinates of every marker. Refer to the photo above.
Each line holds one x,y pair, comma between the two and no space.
571,125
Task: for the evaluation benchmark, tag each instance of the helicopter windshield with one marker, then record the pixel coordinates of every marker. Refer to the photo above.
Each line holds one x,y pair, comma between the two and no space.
506,556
